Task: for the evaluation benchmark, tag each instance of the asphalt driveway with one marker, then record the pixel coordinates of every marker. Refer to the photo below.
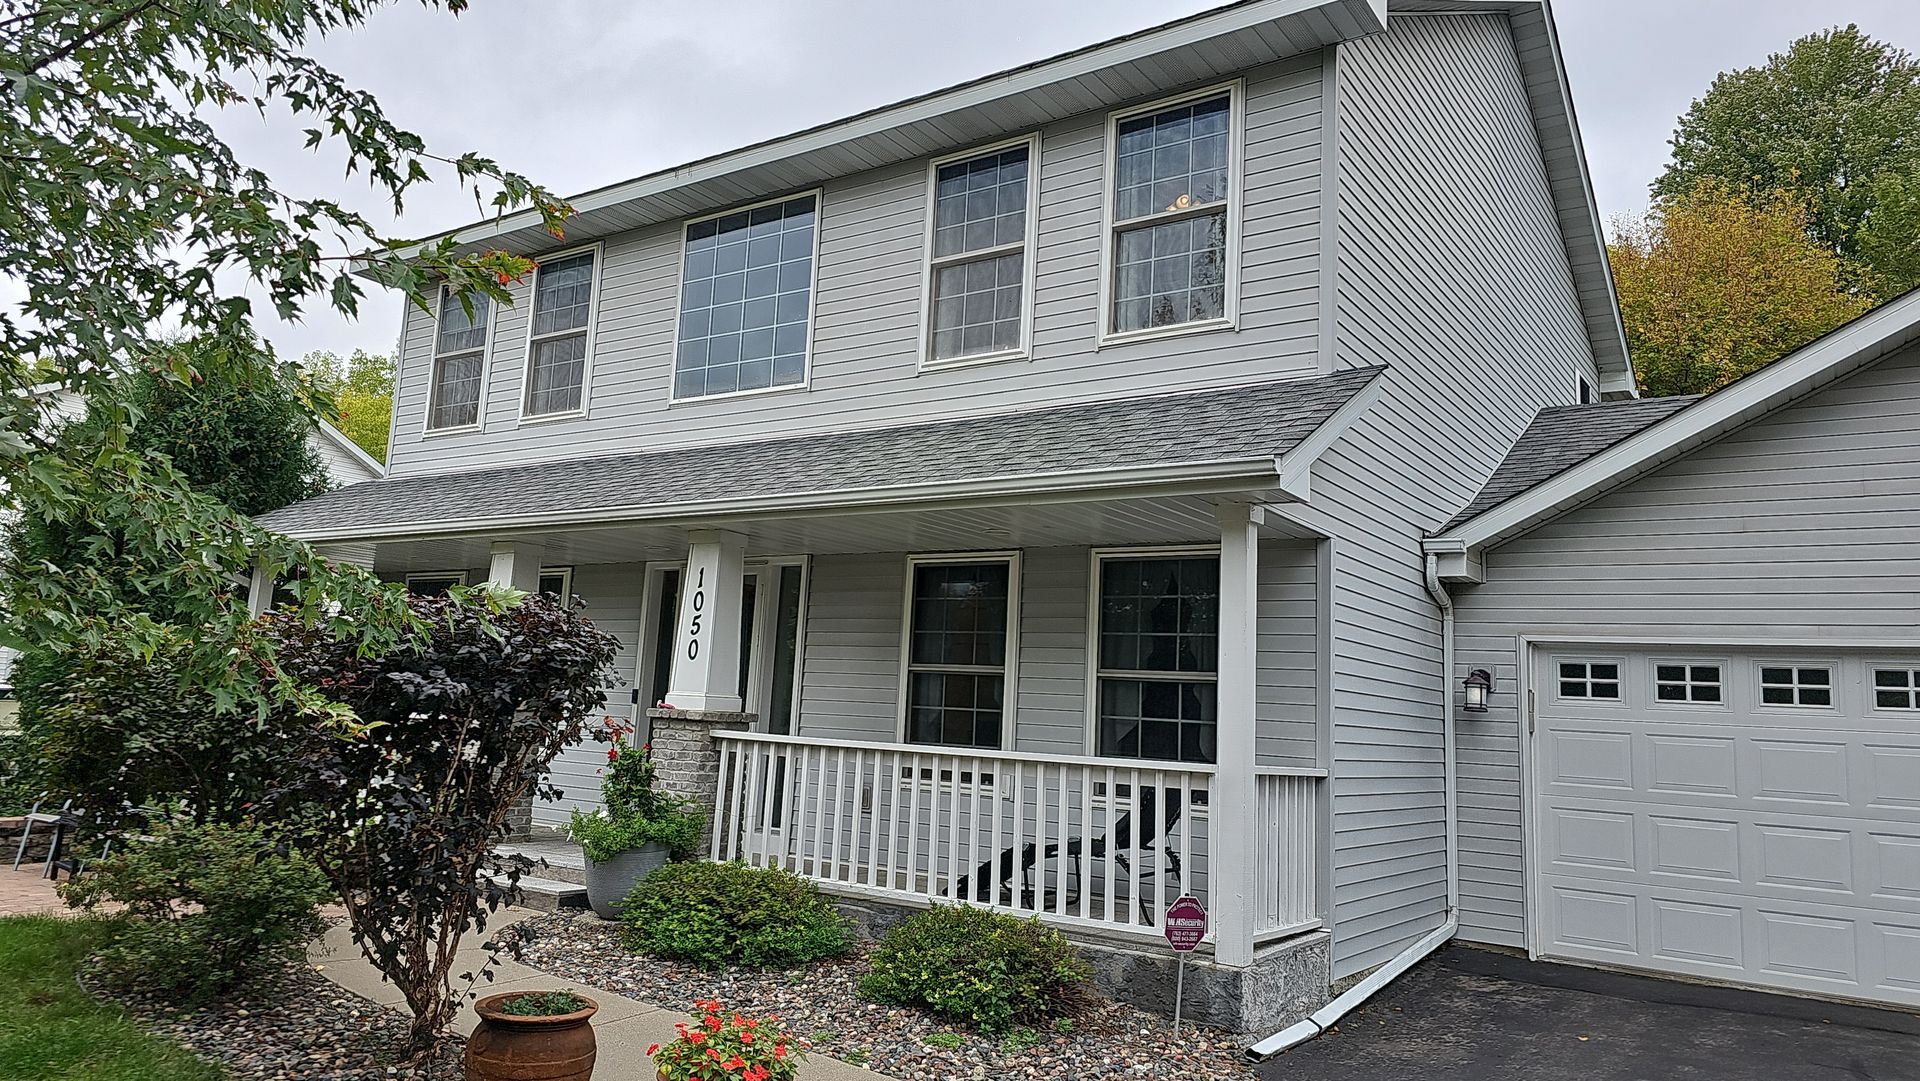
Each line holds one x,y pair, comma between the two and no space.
1485,1016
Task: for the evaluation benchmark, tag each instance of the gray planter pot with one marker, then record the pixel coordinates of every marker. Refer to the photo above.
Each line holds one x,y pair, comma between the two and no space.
609,882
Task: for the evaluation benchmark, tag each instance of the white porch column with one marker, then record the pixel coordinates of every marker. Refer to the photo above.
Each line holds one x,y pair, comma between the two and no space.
706,643
516,564
259,589
1232,839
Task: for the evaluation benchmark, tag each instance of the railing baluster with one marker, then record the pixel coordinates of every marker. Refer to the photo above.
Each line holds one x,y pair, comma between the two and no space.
1113,852
1060,849
993,831
913,826
718,822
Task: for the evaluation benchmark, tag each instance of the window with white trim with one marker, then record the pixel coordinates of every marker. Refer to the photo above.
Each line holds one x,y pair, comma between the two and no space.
1795,686
981,211
1159,657
1896,688
557,339
1696,683
957,648
557,582
434,583
1590,680
1171,200
459,360
746,295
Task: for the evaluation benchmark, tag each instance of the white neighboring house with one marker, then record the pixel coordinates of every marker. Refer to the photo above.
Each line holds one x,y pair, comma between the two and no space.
1095,460
345,463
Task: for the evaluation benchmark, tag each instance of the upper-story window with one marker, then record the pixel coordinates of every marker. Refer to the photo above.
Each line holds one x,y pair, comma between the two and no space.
981,254
459,360
559,334
746,299
1171,214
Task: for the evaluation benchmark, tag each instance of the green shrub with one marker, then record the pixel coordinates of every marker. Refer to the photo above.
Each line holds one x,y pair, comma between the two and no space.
19,774
636,813
976,966
543,1004
206,908
728,913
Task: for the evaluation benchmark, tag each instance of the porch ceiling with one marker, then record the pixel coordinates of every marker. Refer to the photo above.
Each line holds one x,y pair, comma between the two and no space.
1241,439
1178,519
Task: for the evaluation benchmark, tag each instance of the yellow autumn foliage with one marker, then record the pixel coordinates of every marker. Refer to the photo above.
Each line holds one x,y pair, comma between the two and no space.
1722,282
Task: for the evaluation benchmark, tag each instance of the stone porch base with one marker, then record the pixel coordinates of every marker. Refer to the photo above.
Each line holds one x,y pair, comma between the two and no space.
1288,979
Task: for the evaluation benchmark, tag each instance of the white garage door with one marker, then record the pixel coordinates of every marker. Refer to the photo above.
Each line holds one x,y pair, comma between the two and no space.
1742,817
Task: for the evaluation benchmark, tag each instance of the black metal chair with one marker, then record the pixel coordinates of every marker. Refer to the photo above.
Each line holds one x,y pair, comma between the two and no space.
1119,841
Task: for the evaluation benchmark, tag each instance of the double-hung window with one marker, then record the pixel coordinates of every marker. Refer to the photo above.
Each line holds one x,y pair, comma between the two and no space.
558,336
1159,657
459,360
980,256
1171,215
746,298
959,639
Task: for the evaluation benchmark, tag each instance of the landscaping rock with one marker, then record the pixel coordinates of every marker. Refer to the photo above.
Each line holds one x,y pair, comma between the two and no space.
1098,1038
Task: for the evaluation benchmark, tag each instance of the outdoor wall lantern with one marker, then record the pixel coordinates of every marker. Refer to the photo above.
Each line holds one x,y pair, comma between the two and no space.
1479,682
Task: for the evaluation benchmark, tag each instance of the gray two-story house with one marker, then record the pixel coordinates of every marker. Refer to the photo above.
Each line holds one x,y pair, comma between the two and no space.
1038,471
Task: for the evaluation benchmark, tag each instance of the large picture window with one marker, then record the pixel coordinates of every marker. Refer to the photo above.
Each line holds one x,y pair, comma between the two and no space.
1159,657
459,360
558,338
958,642
746,295
981,214
1171,215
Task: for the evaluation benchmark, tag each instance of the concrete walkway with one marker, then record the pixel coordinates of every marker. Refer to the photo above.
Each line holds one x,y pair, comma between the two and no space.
624,1027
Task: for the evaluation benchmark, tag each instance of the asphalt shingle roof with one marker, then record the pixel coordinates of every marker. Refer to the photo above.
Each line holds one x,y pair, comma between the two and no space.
1237,423
1561,438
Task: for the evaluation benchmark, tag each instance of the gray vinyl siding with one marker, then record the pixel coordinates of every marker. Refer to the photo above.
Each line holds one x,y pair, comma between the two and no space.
612,593
1802,527
341,465
864,369
1455,275
850,682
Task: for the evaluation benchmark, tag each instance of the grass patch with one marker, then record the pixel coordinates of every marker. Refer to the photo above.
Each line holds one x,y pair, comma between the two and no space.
51,1030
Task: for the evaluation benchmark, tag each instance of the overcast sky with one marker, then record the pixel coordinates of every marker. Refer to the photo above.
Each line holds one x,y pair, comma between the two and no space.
578,93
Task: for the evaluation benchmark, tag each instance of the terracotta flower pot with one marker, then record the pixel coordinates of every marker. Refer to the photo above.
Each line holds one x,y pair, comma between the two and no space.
512,1047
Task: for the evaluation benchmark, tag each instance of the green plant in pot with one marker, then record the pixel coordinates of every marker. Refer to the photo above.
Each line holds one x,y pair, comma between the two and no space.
638,829
527,1035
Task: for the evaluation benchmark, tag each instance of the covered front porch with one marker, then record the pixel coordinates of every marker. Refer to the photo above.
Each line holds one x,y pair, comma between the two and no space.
1070,664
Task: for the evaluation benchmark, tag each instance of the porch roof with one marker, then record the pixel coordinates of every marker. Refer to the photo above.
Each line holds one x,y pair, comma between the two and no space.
1239,434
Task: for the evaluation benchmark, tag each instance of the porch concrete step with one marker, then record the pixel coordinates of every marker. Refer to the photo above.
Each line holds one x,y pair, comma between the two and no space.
555,858
550,895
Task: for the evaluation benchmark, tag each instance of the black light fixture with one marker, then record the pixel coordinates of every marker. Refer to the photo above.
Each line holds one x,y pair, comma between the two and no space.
1479,682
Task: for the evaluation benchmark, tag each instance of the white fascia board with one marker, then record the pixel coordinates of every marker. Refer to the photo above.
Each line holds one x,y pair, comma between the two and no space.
1369,16
352,449
1834,356
1296,465
1188,478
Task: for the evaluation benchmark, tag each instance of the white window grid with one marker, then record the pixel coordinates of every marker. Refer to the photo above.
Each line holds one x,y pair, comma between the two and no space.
1007,670
994,274
459,361
1797,685
1896,687
560,335
1590,680
1689,683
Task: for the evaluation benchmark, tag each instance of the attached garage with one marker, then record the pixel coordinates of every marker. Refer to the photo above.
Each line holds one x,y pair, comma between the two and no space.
1700,620
1740,816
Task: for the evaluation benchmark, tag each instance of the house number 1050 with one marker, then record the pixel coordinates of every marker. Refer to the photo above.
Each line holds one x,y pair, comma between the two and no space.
697,602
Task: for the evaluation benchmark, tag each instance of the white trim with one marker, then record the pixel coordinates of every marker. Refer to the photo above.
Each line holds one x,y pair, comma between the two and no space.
399,374
1009,671
565,572
459,577
1678,659
1236,91
1826,360
1328,293
433,370
598,250
1296,465
1192,478
1029,244
1095,557
353,450
819,196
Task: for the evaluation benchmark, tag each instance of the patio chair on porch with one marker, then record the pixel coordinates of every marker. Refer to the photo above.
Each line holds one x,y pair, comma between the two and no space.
39,815
1119,841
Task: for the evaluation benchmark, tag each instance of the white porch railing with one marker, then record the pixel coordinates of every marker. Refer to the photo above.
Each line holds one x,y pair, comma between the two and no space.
1078,841
1287,812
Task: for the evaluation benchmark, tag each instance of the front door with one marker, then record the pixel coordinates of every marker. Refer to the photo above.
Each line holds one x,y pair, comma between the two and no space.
769,639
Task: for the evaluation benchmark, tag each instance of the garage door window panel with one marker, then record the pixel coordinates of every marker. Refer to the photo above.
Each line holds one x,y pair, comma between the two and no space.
1590,681
1688,683
1896,688
1795,685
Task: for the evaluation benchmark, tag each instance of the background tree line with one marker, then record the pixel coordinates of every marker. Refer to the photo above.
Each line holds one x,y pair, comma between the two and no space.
1790,205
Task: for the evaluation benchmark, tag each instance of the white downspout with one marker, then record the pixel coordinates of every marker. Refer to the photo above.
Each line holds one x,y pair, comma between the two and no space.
1330,1014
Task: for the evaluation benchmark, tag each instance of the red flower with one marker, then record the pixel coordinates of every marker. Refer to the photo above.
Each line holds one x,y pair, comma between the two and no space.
747,1038
735,1063
780,1050
713,1022
713,1053
696,1037
652,1050
613,753
755,1072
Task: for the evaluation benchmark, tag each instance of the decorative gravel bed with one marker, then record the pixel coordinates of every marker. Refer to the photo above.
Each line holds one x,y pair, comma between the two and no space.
293,1026
1102,1039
